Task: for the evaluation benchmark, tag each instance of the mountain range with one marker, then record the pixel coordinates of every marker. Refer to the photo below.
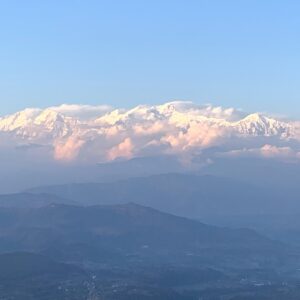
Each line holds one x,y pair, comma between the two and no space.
175,128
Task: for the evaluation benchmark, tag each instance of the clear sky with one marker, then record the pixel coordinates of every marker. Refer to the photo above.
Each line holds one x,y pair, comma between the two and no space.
243,53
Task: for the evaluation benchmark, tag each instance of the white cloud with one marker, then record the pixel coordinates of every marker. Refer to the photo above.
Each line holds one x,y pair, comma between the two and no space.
82,111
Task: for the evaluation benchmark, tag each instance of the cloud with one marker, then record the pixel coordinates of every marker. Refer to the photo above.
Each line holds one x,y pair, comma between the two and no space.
81,111
68,150
149,129
218,112
122,150
197,136
266,151
207,110
274,151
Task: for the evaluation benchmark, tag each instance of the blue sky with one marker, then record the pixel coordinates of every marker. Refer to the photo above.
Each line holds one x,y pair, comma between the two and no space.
244,54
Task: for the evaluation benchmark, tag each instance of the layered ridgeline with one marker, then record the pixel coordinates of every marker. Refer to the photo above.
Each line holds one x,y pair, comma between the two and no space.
100,134
272,210
181,194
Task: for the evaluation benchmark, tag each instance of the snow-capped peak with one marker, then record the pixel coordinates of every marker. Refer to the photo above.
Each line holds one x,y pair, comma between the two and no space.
19,119
173,127
48,116
36,123
259,124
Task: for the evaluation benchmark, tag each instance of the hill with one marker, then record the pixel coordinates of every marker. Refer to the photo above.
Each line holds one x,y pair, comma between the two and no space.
130,233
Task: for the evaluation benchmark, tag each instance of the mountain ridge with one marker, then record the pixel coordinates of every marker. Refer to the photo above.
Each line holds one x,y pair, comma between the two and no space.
180,129
182,194
49,116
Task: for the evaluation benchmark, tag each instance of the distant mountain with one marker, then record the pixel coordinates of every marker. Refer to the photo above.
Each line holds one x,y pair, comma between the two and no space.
175,128
186,195
259,124
36,124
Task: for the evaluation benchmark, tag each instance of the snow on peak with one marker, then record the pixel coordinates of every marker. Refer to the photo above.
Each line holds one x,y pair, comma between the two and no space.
258,124
48,116
36,123
175,127
19,119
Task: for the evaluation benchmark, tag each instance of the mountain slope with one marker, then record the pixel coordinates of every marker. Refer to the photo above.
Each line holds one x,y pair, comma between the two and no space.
120,234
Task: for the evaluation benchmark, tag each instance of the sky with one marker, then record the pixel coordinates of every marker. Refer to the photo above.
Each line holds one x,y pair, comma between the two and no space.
242,54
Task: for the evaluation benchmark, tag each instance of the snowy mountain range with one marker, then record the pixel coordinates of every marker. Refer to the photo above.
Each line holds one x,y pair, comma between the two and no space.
100,133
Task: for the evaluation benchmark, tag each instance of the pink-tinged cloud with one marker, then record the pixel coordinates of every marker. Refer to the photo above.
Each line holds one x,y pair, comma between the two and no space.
68,150
149,129
274,151
122,150
266,151
196,136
